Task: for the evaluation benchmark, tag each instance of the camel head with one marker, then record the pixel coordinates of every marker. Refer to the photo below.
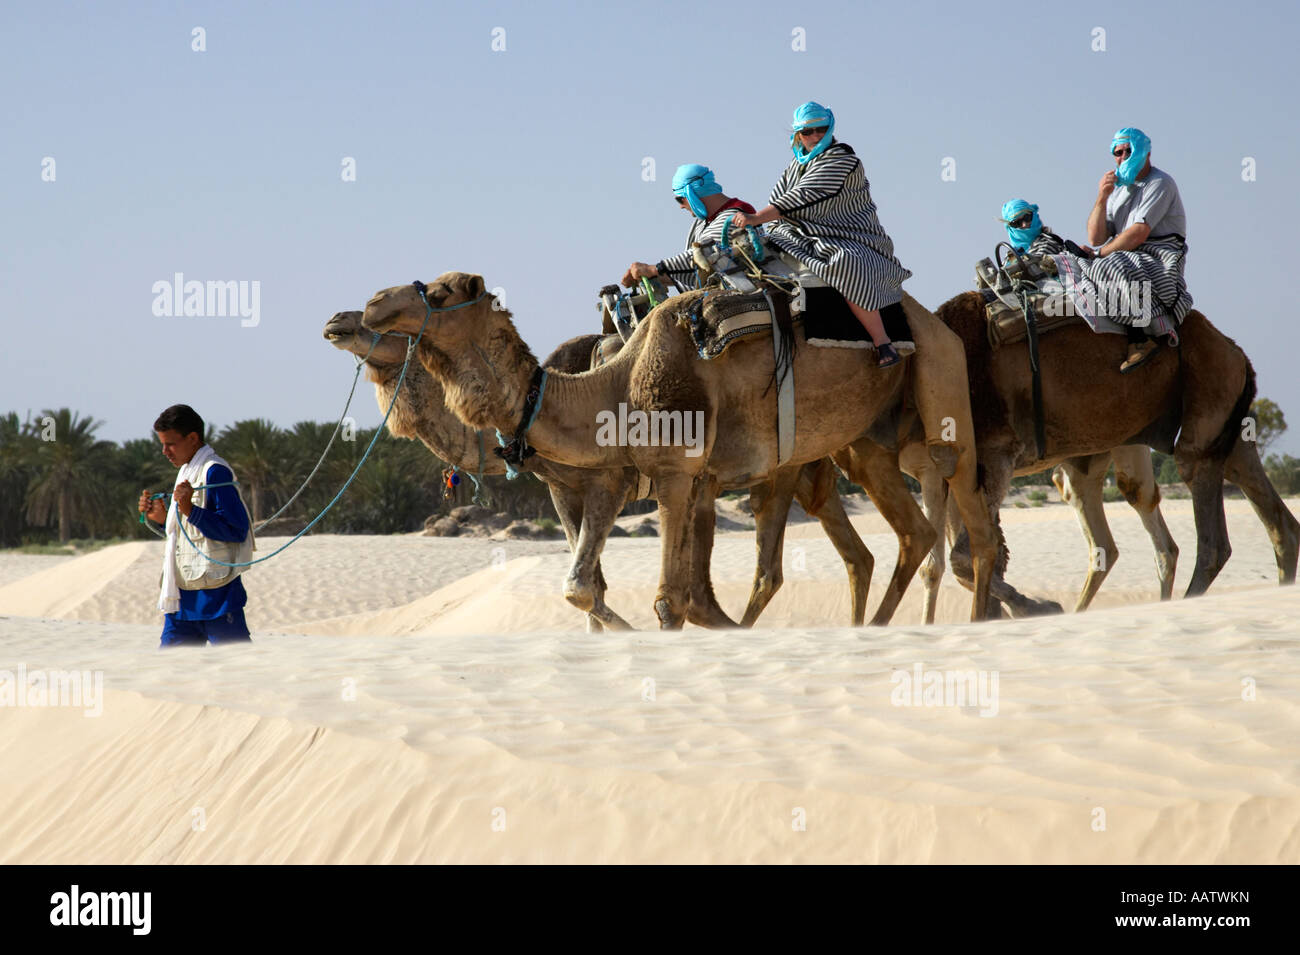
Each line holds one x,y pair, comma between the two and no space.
415,413
399,310
344,330
474,351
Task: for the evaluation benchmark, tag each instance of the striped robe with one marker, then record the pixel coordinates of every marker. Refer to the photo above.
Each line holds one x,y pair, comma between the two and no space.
1159,262
681,267
1046,243
828,222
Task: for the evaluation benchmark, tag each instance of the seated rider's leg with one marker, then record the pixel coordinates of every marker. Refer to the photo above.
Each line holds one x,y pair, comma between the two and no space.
895,321
871,322
1141,347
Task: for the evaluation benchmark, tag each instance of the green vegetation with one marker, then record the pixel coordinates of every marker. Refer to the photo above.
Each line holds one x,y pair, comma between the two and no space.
61,487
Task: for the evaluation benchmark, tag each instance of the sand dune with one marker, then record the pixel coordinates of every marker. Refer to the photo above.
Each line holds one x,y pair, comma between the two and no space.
419,699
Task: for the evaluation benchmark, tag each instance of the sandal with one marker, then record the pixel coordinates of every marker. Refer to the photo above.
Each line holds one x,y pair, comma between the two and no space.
888,355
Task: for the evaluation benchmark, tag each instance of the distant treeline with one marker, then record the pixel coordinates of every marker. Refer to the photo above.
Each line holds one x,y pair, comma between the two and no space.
59,482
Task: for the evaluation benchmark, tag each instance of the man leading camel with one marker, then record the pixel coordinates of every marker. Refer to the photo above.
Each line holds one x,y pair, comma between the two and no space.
698,191
202,598
1140,229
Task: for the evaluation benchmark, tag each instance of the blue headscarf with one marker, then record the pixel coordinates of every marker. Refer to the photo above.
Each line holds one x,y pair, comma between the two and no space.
808,115
693,182
1021,239
1140,144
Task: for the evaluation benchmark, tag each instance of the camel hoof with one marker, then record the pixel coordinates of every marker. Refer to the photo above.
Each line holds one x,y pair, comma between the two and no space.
709,617
581,596
667,619
1036,608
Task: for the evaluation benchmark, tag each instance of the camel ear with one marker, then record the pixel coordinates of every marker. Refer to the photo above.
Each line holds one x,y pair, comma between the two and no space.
472,286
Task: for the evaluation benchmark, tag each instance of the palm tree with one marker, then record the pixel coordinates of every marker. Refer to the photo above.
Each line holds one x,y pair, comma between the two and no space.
16,468
72,471
255,449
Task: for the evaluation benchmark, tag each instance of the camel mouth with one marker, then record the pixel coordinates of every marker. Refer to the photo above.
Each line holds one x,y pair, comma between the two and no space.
342,325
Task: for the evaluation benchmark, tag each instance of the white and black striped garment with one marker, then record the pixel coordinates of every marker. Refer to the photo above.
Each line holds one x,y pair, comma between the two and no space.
1158,261
828,222
681,267
1046,243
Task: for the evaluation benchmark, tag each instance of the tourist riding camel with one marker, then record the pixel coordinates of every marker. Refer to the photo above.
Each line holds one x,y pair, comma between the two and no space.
825,218
698,192
1140,229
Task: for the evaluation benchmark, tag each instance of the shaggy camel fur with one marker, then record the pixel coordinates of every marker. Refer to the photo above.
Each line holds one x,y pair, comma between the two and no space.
486,370
420,412
1192,401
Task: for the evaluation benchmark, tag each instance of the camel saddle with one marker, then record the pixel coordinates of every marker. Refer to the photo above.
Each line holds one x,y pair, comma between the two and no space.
1007,324
720,318
1002,288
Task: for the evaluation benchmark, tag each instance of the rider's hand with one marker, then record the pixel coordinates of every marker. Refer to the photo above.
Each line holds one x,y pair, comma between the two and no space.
1107,185
636,271
740,221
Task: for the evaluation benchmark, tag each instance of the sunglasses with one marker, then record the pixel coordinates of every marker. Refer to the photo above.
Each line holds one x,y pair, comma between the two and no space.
681,201
1123,152
813,130
1024,222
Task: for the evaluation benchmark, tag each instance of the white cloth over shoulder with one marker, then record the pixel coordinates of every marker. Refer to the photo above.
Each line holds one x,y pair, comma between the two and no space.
194,471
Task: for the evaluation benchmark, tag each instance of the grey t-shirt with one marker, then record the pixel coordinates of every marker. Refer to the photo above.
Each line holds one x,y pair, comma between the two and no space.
1153,200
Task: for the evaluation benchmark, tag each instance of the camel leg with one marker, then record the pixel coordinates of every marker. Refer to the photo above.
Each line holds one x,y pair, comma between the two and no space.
934,496
1205,479
1080,481
1136,479
584,586
1244,469
676,492
770,502
997,480
568,506
876,469
824,503
703,609
941,391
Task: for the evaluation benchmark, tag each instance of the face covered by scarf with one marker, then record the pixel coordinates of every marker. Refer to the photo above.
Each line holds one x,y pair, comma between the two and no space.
693,182
1021,239
1140,148
810,116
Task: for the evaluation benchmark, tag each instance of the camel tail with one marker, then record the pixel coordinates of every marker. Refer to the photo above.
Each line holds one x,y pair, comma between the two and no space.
1227,439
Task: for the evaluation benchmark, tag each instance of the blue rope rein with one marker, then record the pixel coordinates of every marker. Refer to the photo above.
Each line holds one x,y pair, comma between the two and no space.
410,350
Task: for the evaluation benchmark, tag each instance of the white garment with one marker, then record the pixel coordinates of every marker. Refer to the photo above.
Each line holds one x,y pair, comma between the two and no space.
194,471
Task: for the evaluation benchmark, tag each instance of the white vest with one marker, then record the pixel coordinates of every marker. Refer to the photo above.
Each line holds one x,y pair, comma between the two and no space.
194,569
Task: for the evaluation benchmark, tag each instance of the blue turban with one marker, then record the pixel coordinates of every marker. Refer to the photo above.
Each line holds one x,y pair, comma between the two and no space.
811,115
1021,238
1140,144
693,182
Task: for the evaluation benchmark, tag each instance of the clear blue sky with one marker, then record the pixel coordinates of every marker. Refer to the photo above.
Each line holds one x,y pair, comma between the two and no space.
526,165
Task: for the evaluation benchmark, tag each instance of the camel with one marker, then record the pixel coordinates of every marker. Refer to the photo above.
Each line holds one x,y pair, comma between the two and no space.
420,412
1192,401
487,371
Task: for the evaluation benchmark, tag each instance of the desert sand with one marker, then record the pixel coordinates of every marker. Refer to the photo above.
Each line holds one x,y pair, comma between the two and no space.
417,699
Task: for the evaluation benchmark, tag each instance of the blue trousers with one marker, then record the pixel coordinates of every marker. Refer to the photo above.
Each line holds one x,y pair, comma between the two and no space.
228,628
